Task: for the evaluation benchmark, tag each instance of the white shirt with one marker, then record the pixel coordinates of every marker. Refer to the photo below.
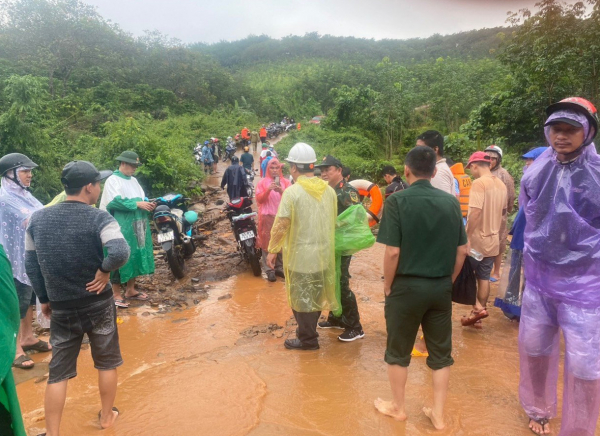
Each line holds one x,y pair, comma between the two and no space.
444,179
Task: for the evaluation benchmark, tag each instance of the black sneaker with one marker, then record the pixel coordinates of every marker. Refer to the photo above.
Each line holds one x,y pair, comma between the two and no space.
329,325
295,344
280,274
271,276
350,335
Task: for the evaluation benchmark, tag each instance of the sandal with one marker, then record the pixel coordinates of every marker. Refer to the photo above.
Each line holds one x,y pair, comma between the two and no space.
121,303
40,346
474,317
417,353
543,422
19,361
142,296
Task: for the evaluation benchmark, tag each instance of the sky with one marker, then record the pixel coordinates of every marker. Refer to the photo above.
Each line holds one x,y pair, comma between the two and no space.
211,21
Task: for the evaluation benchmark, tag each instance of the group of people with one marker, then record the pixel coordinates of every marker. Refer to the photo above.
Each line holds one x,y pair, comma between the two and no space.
69,254
557,236
80,262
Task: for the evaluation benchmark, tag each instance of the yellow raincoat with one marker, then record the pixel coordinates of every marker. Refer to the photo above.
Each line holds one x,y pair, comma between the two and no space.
305,228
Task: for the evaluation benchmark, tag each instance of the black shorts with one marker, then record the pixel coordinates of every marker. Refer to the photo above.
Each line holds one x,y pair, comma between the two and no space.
26,297
483,268
67,326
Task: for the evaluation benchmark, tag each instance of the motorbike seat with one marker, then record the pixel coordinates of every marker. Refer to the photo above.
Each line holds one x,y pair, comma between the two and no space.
239,203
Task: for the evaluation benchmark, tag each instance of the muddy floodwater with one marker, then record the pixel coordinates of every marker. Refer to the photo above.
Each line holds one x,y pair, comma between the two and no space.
220,368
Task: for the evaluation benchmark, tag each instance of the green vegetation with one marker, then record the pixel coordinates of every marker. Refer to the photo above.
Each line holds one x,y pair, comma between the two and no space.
75,86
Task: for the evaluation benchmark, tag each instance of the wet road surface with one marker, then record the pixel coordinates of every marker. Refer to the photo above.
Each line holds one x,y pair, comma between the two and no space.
220,368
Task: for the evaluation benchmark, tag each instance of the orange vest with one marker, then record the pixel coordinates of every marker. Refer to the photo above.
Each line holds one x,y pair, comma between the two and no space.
245,134
464,186
263,133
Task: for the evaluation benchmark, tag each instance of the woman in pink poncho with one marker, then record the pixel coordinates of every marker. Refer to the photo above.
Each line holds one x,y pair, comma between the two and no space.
268,197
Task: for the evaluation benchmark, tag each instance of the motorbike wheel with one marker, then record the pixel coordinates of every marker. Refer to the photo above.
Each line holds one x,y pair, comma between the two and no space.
225,158
188,249
176,262
254,260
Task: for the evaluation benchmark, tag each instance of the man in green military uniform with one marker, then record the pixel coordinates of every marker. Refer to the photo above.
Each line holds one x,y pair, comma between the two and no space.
347,195
125,199
426,246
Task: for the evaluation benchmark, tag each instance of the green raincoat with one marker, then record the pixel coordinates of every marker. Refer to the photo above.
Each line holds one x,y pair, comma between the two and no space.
120,196
9,327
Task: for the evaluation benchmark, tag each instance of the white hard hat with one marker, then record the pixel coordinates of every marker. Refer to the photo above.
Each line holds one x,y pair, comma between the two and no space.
302,153
495,149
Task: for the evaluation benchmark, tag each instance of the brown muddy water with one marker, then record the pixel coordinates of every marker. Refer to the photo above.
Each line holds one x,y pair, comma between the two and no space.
220,368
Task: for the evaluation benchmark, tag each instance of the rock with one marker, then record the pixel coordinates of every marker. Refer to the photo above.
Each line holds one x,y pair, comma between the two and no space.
162,289
206,286
195,280
146,314
198,207
176,321
225,297
154,304
196,301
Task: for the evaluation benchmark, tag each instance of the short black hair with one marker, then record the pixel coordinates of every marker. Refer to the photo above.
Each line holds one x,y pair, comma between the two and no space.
304,168
346,172
268,153
433,138
421,161
73,191
388,169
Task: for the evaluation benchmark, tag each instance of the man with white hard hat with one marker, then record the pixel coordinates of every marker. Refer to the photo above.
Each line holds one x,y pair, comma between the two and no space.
304,229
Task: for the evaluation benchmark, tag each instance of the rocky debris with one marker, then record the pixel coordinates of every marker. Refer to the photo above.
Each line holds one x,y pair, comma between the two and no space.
271,328
224,297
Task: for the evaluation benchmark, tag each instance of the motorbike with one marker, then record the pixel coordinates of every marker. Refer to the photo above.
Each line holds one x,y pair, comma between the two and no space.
229,152
241,217
176,233
250,186
198,154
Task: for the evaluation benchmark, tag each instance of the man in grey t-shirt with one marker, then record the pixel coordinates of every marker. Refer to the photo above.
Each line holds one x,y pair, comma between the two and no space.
65,261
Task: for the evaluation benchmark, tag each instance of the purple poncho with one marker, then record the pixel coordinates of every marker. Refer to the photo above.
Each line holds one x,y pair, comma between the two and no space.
562,236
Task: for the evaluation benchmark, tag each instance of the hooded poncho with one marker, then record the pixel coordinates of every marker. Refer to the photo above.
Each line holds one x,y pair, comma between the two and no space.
268,202
305,228
120,196
562,234
16,206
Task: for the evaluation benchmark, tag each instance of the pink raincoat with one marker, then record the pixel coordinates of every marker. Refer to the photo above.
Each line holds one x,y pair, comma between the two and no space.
268,203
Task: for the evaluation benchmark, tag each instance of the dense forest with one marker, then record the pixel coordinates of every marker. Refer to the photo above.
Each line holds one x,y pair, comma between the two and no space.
74,85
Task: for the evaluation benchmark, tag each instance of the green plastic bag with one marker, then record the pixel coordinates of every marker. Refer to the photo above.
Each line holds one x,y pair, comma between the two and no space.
352,234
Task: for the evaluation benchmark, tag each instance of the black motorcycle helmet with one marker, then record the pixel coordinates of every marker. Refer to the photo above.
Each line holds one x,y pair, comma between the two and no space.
13,161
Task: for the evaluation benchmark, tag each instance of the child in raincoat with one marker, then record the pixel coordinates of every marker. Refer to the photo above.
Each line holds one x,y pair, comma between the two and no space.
560,195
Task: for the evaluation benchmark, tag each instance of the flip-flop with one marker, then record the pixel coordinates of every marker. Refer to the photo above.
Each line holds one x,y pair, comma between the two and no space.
543,422
40,346
493,279
121,303
114,409
142,296
19,361
475,316
417,353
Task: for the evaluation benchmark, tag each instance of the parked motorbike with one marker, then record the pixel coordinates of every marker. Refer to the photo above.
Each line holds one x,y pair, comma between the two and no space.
176,233
250,186
198,154
241,217
229,152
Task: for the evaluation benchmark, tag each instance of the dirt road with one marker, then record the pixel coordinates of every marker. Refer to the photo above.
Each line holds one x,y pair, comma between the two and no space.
219,368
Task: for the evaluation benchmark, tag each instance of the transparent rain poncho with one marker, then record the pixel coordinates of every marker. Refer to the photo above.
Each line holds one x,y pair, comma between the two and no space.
562,272
352,234
304,229
562,236
17,205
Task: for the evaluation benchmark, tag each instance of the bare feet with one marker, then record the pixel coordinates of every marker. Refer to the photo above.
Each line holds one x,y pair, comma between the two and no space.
438,422
388,408
110,420
541,426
